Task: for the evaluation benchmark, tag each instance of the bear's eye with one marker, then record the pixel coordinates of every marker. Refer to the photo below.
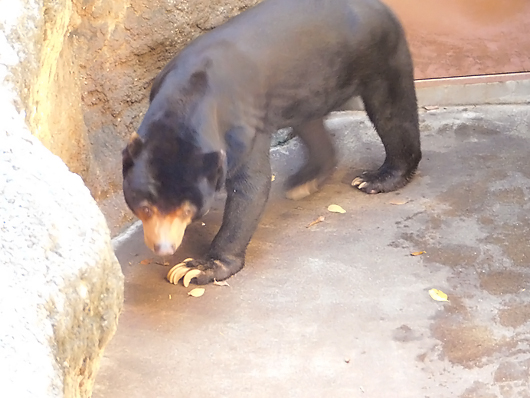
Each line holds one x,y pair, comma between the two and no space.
145,211
188,210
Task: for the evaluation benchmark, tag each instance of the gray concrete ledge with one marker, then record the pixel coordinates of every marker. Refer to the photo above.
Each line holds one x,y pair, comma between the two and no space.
512,88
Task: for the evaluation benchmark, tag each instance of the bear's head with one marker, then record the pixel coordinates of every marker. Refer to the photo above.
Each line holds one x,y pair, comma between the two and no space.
168,182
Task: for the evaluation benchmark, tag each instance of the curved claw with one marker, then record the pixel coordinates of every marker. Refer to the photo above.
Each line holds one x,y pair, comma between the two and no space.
357,181
202,272
176,273
360,184
190,275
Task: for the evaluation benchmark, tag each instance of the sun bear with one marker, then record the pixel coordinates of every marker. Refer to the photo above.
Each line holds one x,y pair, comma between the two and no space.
213,108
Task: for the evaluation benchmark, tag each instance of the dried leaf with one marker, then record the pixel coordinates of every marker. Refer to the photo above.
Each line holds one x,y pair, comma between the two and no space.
197,292
430,107
319,219
399,201
438,295
145,262
417,253
220,283
336,209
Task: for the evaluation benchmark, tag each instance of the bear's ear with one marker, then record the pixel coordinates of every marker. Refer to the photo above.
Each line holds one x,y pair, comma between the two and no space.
196,86
131,151
198,81
214,166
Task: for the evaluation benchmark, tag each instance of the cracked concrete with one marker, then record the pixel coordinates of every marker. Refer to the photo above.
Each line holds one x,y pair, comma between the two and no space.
341,308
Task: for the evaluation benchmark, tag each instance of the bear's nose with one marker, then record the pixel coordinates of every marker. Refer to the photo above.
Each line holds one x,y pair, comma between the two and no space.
164,249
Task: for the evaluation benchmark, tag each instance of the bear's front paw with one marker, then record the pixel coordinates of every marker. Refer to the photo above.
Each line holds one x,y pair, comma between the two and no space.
202,272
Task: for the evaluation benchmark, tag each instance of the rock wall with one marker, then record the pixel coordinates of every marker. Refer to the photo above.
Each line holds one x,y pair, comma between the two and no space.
88,88
61,287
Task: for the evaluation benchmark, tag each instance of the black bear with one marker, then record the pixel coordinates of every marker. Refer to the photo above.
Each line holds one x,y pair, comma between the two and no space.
214,107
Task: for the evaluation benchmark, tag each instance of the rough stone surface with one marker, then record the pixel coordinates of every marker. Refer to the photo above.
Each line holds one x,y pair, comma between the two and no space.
61,287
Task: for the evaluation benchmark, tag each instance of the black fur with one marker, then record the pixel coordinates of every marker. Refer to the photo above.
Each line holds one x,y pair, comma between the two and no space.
282,63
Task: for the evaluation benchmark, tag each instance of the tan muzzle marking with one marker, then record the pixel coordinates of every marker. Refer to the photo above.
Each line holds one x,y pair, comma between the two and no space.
134,136
163,233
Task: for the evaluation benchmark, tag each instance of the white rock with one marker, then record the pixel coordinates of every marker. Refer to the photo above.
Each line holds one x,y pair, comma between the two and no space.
61,287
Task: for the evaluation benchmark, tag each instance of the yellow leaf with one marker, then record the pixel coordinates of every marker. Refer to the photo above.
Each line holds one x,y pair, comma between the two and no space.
398,202
336,209
417,253
438,295
273,177
197,292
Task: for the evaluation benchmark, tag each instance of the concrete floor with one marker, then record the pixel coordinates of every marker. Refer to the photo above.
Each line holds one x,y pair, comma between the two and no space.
341,309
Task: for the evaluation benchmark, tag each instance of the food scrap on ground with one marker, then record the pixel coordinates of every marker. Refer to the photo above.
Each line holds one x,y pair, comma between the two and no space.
318,220
220,283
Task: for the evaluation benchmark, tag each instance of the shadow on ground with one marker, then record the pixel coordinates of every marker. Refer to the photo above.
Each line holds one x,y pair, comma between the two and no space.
341,308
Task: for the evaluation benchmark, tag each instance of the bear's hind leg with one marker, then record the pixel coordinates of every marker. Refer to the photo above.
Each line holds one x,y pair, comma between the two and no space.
321,160
391,106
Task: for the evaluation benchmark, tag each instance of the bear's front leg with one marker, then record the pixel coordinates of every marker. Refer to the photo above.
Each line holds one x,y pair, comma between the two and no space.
247,193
